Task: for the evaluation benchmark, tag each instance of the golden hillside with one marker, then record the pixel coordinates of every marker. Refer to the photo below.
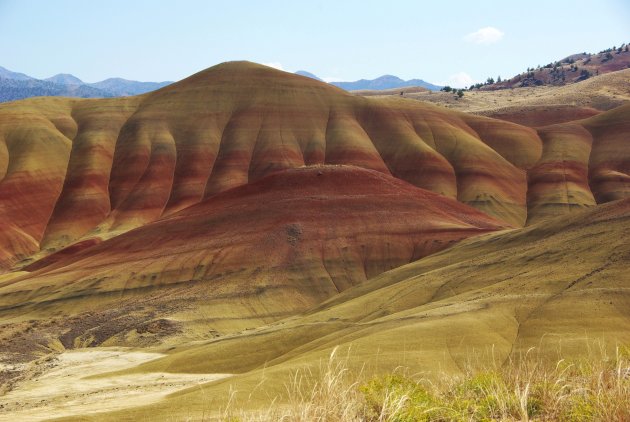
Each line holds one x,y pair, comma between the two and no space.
243,222
95,168
538,105
554,286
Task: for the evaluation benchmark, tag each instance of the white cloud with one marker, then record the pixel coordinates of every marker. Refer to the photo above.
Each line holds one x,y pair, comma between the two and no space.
275,65
330,79
487,35
460,80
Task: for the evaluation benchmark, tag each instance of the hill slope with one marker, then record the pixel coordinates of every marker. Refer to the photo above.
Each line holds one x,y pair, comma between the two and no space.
117,164
240,258
536,106
95,169
244,220
570,70
553,285
112,165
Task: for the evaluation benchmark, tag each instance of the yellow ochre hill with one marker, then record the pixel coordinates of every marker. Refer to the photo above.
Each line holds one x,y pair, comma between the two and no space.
99,167
242,223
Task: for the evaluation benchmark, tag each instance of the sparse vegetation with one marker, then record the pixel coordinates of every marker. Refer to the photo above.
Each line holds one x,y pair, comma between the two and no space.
584,74
593,389
554,73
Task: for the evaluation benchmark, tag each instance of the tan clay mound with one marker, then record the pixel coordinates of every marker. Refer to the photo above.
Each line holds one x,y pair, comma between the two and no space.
263,250
80,169
558,286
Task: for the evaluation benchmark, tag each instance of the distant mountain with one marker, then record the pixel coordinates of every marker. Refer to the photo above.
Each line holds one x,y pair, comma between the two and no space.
122,87
17,86
308,75
380,83
65,79
17,89
384,82
7,74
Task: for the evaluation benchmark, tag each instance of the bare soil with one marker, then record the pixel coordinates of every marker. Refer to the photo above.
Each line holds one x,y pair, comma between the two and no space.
66,385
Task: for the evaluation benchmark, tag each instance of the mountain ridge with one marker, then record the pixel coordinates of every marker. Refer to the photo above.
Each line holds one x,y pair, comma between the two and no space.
385,82
18,86
65,79
8,74
381,83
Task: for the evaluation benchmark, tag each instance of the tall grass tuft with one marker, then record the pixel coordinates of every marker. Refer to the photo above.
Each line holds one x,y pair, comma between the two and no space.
523,389
329,392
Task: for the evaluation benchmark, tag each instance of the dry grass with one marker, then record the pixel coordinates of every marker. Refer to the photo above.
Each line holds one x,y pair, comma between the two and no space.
330,392
602,92
596,388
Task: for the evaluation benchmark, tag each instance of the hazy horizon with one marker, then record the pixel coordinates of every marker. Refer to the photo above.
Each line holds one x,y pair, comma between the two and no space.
445,43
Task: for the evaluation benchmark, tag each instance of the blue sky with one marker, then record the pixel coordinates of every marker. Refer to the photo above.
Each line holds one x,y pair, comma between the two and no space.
439,41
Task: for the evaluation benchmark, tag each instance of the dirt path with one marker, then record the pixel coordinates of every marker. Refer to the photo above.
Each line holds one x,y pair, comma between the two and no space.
63,390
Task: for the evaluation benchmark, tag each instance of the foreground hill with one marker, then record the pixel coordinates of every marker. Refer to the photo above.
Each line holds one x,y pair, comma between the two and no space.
95,169
101,167
239,259
246,220
554,286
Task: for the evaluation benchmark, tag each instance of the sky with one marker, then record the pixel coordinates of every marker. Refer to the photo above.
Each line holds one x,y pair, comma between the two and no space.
443,42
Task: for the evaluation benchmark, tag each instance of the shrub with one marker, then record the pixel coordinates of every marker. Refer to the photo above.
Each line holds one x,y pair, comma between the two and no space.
584,390
596,388
399,398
